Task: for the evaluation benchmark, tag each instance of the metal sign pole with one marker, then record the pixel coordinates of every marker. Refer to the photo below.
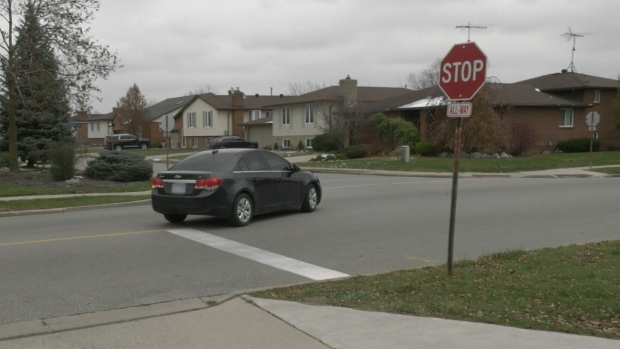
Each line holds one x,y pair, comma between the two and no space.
455,184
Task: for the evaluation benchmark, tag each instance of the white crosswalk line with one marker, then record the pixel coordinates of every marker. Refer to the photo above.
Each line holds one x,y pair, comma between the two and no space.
256,254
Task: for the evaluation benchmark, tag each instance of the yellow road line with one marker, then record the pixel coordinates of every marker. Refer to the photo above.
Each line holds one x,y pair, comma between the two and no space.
78,238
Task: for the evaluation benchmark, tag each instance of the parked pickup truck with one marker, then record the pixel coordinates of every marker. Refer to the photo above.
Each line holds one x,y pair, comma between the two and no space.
121,141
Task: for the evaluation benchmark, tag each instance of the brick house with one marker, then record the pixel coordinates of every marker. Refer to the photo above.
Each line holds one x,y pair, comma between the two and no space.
555,105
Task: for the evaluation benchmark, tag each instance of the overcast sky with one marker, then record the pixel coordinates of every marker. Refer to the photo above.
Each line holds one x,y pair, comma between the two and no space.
169,48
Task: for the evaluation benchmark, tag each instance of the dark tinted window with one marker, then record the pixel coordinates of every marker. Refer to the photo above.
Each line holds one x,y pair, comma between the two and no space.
255,162
276,163
206,162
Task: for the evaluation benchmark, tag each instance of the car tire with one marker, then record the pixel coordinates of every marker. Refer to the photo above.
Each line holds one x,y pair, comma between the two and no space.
311,199
118,148
175,218
242,210
144,146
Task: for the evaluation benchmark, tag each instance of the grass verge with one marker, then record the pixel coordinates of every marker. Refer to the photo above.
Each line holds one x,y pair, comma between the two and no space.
574,289
42,204
516,164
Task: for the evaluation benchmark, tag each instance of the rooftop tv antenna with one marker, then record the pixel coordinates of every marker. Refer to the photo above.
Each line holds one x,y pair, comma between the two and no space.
570,35
469,27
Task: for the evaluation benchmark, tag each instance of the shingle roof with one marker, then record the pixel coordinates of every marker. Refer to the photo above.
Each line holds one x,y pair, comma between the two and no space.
525,95
262,121
104,117
332,93
518,95
569,81
250,102
166,106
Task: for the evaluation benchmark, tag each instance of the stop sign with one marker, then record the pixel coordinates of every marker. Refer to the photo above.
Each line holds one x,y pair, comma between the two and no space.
463,71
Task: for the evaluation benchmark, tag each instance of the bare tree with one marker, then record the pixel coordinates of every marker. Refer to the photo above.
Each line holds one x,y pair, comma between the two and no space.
296,89
133,116
202,90
81,59
429,77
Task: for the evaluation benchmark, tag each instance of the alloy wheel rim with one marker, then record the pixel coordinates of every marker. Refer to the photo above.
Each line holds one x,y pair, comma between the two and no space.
244,210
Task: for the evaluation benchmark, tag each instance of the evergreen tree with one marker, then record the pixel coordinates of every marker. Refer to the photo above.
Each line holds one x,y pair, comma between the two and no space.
42,111
70,59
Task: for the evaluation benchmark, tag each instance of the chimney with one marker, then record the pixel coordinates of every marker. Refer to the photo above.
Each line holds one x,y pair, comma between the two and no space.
237,98
81,116
348,92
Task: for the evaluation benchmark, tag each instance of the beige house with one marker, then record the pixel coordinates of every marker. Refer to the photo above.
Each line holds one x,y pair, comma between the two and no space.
208,116
301,118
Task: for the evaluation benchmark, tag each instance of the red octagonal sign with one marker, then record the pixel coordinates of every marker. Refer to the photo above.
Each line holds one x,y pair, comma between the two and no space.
463,71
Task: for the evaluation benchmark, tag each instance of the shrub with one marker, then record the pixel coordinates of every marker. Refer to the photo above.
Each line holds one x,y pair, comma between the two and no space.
425,148
62,158
119,167
578,145
300,146
355,152
399,131
325,142
523,138
276,146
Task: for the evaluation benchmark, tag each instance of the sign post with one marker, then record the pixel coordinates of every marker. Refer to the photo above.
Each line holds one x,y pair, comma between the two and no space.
592,119
461,75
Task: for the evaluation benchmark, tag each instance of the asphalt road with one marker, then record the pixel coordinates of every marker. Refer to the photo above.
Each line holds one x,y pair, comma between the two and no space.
85,261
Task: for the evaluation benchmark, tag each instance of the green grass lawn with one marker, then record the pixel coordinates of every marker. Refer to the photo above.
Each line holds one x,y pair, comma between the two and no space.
574,289
516,164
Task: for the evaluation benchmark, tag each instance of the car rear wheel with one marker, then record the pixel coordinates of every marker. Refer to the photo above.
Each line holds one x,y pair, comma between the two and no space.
242,211
175,218
118,148
311,199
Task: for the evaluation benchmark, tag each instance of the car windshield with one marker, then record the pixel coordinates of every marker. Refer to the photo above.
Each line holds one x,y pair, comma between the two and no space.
206,162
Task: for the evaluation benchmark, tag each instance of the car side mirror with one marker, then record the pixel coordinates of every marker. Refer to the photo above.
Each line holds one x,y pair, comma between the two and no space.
296,168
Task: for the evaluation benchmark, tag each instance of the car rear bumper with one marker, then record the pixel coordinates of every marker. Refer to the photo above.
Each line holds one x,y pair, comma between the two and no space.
206,205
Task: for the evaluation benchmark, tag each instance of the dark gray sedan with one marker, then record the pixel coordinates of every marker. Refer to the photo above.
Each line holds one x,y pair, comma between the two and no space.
233,183
231,142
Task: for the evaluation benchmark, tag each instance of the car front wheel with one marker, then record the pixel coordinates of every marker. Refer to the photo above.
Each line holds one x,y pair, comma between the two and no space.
118,148
143,146
242,211
175,218
311,199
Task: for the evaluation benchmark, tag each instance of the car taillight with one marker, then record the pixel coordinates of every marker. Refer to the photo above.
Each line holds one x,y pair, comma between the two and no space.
158,183
210,184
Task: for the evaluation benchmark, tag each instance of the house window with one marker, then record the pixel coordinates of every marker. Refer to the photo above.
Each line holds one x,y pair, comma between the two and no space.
191,120
286,116
309,114
194,142
207,118
92,127
268,113
567,117
286,144
308,143
98,126
597,96
255,115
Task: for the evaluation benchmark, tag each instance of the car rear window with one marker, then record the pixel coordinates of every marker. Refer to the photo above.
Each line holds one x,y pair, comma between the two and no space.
206,162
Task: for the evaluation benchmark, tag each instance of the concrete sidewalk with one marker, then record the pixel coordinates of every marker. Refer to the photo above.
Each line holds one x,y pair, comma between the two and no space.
246,322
